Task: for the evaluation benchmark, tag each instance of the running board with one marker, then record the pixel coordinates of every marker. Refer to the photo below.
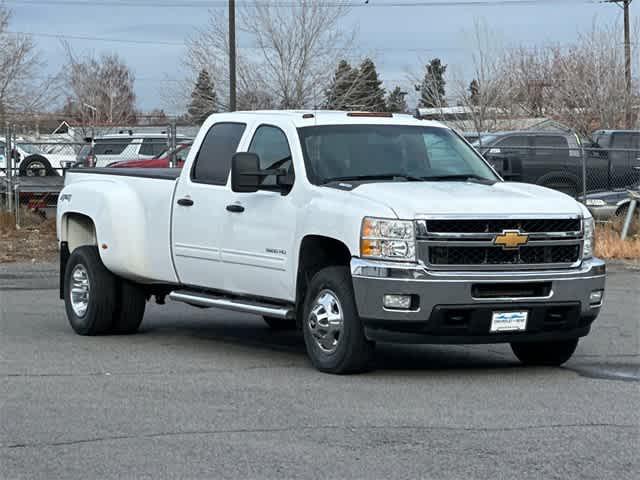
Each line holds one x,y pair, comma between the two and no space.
205,300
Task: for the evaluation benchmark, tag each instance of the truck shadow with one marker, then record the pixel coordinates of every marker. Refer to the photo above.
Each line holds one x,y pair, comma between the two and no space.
250,333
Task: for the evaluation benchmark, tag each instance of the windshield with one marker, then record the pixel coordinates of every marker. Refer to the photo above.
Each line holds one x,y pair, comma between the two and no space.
388,152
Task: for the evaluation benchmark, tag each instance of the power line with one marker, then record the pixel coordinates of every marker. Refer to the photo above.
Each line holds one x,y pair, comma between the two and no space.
98,39
345,3
249,47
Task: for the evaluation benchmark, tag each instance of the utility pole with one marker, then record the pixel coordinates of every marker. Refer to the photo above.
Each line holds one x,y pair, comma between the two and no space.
232,55
624,4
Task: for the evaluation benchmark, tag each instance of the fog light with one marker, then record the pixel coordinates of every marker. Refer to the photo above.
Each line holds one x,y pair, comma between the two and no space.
397,302
595,298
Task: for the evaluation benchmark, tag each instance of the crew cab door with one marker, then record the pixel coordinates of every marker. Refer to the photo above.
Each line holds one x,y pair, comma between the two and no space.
199,208
259,232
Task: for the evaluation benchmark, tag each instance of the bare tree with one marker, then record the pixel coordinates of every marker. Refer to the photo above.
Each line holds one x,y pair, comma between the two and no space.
23,88
286,57
589,89
491,98
101,89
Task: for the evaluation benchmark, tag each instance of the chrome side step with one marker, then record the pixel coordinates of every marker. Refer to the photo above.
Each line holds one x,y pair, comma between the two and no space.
205,300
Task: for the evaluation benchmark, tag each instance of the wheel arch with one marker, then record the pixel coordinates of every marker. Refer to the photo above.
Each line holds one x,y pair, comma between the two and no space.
317,252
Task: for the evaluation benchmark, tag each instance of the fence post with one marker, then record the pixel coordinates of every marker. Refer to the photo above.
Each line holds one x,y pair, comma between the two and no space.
10,165
172,144
630,211
584,154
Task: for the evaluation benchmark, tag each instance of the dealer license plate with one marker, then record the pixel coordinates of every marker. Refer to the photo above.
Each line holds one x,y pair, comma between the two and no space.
509,321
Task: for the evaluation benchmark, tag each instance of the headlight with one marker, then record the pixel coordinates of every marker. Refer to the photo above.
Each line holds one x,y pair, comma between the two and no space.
388,239
595,202
589,227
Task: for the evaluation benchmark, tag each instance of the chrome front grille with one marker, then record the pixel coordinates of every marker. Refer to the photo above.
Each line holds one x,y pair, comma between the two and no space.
470,243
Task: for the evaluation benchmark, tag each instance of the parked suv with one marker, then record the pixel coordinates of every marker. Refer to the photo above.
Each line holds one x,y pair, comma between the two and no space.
108,149
547,158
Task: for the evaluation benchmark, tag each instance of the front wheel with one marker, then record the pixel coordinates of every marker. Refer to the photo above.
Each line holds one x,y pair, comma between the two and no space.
333,332
545,353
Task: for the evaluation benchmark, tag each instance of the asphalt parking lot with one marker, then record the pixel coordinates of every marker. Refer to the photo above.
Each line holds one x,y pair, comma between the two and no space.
213,394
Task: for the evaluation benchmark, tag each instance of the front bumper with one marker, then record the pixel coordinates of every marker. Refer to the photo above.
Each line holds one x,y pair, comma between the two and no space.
603,212
449,310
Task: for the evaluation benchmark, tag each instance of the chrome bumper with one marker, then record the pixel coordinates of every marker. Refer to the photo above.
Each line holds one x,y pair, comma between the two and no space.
373,279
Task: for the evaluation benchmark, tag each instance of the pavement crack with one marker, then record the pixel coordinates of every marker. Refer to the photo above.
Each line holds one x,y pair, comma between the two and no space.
295,428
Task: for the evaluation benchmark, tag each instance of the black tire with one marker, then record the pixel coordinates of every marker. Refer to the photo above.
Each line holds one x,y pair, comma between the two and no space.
353,352
280,323
32,162
130,307
100,311
565,183
551,354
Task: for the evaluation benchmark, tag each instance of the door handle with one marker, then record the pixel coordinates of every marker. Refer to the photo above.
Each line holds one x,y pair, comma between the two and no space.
235,208
185,202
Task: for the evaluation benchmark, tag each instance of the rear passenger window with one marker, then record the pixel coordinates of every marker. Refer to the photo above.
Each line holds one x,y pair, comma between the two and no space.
556,143
623,140
153,146
111,146
213,163
511,142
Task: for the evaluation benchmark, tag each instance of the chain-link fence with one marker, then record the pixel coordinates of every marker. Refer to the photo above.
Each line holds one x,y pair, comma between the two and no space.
577,171
32,172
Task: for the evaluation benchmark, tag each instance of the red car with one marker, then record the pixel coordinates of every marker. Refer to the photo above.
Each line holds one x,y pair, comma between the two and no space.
161,161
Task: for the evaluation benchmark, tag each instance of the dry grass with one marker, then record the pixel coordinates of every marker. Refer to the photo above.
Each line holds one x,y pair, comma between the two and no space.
35,241
609,245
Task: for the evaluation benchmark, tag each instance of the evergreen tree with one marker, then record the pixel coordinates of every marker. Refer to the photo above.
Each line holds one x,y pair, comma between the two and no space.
432,88
370,94
343,88
396,102
474,92
204,100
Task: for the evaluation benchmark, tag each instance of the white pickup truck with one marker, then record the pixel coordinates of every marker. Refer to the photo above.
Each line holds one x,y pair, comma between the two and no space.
354,227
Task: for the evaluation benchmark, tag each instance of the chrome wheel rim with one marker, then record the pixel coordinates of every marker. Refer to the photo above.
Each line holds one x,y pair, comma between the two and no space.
326,321
80,288
36,169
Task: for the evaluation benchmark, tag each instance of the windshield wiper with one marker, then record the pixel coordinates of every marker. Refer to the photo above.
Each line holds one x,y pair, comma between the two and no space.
385,176
461,177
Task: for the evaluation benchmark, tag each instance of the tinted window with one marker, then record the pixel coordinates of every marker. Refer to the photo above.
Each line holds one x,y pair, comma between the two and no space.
550,141
153,146
515,141
335,152
553,141
213,162
111,146
271,144
624,140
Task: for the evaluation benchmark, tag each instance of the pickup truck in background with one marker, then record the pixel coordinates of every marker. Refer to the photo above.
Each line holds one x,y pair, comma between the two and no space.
554,159
353,227
548,158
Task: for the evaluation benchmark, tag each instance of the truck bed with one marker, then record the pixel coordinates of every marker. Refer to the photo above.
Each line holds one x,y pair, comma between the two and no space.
157,173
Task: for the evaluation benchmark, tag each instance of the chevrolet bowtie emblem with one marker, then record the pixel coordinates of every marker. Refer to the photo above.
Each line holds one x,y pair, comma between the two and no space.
511,239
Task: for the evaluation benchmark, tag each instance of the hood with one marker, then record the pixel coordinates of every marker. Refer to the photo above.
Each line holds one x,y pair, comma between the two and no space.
416,199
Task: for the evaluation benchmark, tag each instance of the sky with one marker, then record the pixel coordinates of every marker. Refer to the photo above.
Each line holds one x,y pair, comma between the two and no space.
399,38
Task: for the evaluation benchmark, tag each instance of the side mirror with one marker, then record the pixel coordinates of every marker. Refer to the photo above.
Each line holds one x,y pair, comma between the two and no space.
244,172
